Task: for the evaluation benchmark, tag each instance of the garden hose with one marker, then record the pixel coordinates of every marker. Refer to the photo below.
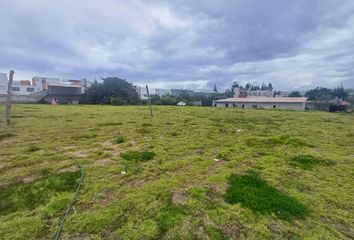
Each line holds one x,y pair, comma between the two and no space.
60,228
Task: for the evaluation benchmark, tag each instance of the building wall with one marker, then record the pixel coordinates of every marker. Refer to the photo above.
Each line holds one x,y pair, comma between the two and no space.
289,106
3,83
152,91
18,89
44,82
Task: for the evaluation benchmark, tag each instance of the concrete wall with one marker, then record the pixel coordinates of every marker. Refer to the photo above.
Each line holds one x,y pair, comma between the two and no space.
289,106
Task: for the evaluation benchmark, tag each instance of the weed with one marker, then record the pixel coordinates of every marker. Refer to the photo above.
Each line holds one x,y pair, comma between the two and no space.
169,217
254,193
120,139
138,156
308,162
107,124
214,233
32,148
6,135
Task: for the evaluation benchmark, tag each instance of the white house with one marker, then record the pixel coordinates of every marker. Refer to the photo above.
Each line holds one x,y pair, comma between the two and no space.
265,102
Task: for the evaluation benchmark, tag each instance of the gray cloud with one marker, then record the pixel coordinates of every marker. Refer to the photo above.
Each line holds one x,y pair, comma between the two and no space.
294,44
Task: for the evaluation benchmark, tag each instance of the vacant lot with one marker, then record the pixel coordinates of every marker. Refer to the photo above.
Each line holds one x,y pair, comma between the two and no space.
186,173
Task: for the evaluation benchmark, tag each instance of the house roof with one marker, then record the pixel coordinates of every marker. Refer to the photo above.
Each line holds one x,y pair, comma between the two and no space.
263,100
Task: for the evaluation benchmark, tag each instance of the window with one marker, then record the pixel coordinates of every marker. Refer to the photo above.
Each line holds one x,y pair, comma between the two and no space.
29,89
145,95
234,105
243,105
15,89
254,106
274,106
226,105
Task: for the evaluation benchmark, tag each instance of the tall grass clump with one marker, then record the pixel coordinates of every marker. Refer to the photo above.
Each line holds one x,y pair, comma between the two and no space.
308,162
137,156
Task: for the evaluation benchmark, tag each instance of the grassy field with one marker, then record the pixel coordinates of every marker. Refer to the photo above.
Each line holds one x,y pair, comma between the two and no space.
190,173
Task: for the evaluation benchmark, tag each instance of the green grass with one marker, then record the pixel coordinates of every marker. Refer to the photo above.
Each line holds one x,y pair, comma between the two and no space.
156,178
138,156
120,139
308,162
256,194
169,217
22,196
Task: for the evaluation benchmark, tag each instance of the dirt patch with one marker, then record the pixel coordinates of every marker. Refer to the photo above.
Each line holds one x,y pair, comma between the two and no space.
107,196
80,153
102,162
135,183
233,229
180,197
114,148
31,178
70,169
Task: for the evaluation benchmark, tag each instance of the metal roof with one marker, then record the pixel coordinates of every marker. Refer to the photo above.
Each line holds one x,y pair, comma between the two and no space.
263,100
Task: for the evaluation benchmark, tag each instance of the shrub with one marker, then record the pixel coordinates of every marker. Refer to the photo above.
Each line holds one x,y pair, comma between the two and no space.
254,193
117,101
138,156
308,162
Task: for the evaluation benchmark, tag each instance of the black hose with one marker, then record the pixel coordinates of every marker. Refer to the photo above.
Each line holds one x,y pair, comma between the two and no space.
60,228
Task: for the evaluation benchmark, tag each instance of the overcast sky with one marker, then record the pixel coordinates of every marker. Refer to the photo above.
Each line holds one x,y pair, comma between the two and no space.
295,44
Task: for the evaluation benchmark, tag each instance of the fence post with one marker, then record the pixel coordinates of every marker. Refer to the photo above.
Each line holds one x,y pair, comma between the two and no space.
147,90
9,97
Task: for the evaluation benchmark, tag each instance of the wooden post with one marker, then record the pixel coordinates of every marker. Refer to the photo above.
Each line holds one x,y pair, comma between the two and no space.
9,97
149,100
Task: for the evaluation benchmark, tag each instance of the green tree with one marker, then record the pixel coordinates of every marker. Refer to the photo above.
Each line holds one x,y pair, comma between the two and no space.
339,92
112,87
295,94
319,94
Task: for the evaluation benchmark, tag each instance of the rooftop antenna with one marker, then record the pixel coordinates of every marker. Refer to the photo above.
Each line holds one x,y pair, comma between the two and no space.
149,100
9,97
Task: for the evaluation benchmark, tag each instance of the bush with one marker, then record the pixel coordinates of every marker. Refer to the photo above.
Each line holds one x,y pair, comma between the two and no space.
117,101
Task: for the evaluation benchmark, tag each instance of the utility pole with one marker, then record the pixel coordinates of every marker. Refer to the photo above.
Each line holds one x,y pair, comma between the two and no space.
9,97
149,100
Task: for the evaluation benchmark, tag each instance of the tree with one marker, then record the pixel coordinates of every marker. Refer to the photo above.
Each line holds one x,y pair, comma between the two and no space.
215,89
270,86
110,88
295,94
339,92
248,86
319,94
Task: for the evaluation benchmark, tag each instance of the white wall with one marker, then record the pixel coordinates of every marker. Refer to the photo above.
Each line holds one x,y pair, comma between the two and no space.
289,106
22,89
